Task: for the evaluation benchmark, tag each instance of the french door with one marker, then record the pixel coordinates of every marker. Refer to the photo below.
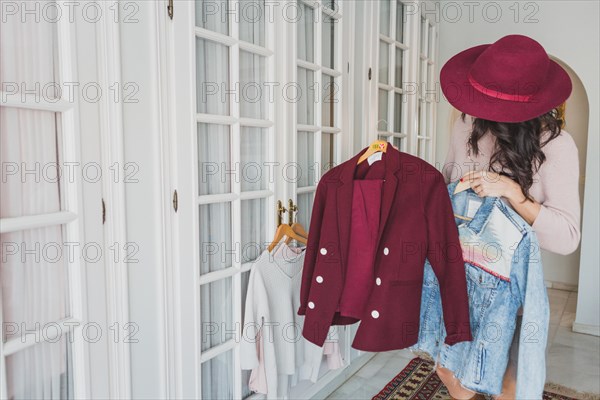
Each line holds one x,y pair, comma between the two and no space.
426,105
318,113
406,90
258,87
41,304
321,39
394,44
225,182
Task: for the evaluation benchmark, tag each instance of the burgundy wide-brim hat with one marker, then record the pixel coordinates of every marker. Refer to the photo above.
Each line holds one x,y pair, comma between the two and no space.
511,80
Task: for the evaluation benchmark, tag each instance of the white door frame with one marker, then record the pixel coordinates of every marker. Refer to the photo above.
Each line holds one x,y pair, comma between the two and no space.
70,216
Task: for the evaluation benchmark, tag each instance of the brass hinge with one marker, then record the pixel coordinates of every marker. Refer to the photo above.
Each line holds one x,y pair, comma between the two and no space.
103,212
175,201
170,9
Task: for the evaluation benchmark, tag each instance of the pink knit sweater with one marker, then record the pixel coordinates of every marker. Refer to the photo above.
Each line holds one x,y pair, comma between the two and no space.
555,186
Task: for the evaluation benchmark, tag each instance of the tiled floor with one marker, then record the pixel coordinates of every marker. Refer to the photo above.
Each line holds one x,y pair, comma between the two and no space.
573,358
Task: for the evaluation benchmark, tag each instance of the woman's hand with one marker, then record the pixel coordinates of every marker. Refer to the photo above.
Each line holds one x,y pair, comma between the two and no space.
487,183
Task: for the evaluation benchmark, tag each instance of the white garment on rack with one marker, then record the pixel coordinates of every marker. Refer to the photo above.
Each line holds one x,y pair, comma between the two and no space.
313,355
272,344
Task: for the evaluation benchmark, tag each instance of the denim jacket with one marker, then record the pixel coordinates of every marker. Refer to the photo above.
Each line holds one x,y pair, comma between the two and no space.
504,272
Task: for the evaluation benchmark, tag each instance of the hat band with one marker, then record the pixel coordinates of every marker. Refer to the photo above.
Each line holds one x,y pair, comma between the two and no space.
500,95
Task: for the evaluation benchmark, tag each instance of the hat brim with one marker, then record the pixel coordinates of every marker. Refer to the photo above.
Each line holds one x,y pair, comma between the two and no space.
463,96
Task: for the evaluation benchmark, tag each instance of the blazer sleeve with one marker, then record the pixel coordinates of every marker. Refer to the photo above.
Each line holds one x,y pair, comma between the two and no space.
444,253
312,245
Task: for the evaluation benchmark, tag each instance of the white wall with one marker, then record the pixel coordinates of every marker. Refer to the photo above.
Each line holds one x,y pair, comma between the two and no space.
569,31
144,202
564,269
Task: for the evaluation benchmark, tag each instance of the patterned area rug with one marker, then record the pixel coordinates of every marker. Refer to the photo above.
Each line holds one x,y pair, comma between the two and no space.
419,381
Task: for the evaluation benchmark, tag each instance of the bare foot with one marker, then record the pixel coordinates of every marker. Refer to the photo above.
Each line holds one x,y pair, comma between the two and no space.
456,390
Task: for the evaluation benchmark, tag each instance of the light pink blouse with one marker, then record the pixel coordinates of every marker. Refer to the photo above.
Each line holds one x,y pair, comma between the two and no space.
555,186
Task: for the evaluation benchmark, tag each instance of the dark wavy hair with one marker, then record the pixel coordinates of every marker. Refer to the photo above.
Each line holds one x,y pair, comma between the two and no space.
518,153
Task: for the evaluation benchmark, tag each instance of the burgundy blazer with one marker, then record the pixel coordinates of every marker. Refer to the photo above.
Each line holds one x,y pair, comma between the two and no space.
416,223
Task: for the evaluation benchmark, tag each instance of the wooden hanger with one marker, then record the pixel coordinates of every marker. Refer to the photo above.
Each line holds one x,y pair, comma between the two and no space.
375,147
285,230
296,227
299,229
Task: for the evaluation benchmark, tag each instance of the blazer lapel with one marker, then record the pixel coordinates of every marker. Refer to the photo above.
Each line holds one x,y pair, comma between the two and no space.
345,191
392,164
344,203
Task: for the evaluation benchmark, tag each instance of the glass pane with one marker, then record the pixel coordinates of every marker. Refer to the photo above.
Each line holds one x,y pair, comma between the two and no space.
42,371
306,96
382,124
306,33
254,217
253,148
245,383
253,102
330,99
216,313
384,17
431,85
399,78
397,112
396,141
30,64
423,118
428,115
34,276
215,237
400,22
423,36
305,173
217,377
431,46
423,147
245,278
212,76
423,75
305,203
384,62
30,162
327,152
328,41
252,21
213,15
420,130
214,159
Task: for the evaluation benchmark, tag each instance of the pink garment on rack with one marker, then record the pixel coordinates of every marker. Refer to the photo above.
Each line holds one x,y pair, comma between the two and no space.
334,355
258,376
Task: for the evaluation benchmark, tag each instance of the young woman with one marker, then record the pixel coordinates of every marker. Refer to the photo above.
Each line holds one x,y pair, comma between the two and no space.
508,142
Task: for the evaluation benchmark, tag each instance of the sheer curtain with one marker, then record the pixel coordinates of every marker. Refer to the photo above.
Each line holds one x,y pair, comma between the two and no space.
33,272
